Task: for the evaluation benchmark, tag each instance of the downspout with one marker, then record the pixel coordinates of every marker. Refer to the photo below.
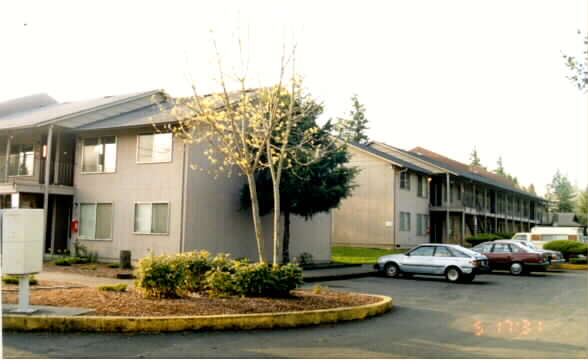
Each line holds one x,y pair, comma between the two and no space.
8,145
46,193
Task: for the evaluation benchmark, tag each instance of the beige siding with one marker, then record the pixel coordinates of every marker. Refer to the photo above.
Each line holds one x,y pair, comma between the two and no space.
367,217
408,201
132,183
214,221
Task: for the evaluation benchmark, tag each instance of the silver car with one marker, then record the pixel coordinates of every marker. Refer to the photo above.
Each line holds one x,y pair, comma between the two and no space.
455,262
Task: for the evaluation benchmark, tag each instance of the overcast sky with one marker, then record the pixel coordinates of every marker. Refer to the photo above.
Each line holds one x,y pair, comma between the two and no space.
444,75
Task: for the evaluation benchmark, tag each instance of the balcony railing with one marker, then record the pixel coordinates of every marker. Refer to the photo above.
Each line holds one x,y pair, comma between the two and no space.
34,173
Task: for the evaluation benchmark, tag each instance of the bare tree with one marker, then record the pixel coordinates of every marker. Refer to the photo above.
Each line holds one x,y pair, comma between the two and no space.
248,129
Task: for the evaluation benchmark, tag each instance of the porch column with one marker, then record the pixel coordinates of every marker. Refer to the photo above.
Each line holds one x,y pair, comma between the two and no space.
46,194
54,212
56,179
448,205
8,145
462,228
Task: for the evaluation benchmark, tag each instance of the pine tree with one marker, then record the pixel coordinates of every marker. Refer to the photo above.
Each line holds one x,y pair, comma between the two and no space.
500,168
561,192
475,159
531,189
354,128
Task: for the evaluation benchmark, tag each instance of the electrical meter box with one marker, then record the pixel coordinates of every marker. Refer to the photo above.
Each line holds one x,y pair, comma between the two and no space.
21,235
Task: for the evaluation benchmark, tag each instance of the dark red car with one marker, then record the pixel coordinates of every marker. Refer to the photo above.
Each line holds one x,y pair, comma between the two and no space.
512,256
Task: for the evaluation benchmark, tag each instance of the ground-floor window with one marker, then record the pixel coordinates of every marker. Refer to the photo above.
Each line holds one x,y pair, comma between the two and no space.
151,217
404,221
96,221
422,224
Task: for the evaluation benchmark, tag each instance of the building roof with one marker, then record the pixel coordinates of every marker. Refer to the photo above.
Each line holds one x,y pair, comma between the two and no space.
565,219
393,159
39,110
469,172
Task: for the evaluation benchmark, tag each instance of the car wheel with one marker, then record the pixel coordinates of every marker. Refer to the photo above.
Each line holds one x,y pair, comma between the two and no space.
516,268
453,274
392,270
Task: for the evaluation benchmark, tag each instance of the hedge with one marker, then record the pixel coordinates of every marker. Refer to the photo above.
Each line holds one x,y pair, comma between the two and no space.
480,238
578,261
174,276
569,248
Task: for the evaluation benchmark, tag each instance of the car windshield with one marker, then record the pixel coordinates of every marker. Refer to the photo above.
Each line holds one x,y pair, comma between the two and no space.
528,244
465,251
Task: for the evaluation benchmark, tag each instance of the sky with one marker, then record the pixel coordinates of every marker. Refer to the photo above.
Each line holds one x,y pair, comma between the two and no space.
444,75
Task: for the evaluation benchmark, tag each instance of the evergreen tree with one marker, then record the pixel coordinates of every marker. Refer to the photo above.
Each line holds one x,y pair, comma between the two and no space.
500,168
561,192
354,128
475,159
531,189
306,190
582,207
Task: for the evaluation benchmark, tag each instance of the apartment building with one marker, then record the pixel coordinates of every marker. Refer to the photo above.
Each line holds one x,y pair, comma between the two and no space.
101,166
409,197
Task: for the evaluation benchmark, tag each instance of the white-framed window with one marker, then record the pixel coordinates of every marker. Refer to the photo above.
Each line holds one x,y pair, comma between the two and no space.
21,161
405,180
154,148
421,186
99,154
151,218
404,221
422,224
95,221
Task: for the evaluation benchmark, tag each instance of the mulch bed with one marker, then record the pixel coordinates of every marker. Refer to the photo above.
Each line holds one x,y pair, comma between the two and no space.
102,270
131,303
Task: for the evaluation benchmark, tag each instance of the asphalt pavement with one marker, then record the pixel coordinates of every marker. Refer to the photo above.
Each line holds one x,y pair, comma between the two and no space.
542,315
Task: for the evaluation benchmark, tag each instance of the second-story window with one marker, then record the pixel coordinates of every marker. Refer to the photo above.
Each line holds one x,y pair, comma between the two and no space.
154,148
22,160
405,180
99,154
422,186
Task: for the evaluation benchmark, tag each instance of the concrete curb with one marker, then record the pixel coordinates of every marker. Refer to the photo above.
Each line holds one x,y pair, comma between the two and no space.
339,277
189,323
568,267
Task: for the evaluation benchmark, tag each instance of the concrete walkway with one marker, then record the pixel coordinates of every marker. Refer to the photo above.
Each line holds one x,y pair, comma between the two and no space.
309,276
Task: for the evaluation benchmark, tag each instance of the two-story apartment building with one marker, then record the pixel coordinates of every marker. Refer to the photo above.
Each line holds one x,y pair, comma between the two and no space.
126,185
409,197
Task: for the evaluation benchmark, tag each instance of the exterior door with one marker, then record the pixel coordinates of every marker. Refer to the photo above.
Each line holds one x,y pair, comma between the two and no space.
419,261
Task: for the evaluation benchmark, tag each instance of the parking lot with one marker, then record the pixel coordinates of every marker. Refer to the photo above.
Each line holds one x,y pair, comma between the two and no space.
542,315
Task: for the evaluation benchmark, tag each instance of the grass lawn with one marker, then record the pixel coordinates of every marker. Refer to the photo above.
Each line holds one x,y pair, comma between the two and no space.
357,255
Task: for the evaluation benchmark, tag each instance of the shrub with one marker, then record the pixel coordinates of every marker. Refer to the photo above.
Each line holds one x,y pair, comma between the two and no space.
160,276
9,279
64,261
254,280
196,264
88,267
569,248
117,288
578,261
113,266
305,258
505,235
69,260
480,238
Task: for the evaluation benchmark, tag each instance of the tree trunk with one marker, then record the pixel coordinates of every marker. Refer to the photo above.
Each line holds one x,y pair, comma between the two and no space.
286,241
256,218
276,229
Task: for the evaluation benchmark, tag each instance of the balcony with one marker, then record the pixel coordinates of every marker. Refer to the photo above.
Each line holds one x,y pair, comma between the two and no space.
29,175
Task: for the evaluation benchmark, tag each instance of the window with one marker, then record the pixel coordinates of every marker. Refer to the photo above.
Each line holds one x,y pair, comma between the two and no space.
483,248
151,218
422,186
442,251
501,248
96,221
554,237
458,192
99,154
22,160
422,224
423,251
404,221
405,180
154,148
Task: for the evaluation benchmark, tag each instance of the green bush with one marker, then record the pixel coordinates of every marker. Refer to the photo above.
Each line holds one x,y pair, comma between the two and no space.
160,276
578,261
569,248
196,265
116,288
113,266
254,280
70,260
64,261
480,238
9,279
505,235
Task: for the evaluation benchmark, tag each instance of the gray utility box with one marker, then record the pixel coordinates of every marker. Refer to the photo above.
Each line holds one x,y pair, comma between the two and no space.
21,235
